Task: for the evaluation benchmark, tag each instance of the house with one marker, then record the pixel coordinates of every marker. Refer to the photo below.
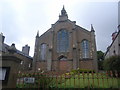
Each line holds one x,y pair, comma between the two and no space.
114,48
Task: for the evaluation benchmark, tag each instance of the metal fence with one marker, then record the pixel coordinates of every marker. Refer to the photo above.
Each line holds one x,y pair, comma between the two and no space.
69,80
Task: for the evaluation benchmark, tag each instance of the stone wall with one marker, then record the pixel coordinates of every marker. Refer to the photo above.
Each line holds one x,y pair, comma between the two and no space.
13,63
42,65
86,64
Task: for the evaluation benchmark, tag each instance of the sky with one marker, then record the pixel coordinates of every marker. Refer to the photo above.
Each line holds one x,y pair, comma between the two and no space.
20,20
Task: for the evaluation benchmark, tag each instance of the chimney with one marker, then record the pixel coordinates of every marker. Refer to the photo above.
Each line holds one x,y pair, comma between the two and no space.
12,48
2,38
25,49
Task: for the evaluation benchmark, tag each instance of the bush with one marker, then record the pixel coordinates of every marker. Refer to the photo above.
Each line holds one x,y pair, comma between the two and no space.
76,71
112,64
42,80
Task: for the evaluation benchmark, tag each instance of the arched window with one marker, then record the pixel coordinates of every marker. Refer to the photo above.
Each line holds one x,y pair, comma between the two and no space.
85,49
62,41
43,50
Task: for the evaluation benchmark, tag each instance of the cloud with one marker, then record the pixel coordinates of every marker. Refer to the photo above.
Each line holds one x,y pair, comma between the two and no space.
21,19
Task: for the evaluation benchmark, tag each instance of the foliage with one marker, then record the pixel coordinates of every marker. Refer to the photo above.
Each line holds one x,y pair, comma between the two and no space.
100,56
44,81
112,63
86,80
100,65
76,71
41,80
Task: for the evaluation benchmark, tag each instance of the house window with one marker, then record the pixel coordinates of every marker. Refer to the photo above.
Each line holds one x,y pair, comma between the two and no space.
21,62
2,74
114,52
29,65
43,50
85,49
62,41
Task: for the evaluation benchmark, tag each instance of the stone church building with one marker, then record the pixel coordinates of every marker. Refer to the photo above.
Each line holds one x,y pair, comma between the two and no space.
65,46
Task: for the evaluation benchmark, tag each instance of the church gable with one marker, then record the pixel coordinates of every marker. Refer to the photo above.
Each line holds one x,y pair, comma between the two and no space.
64,46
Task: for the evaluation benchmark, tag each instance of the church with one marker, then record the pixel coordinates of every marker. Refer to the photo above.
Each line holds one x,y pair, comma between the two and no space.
65,46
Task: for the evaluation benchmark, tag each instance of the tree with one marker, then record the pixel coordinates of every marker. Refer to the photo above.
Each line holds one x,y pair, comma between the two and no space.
112,63
100,56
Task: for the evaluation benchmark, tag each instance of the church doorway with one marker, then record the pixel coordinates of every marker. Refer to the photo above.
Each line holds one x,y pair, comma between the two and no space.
63,63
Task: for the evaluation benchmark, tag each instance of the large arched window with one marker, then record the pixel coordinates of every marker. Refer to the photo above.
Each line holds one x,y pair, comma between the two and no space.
62,41
85,49
43,50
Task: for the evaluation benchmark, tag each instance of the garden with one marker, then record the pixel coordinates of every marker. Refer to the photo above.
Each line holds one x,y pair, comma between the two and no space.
73,79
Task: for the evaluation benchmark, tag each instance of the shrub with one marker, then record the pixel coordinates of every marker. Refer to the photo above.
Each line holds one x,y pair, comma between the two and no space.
41,80
86,70
112,63
76,71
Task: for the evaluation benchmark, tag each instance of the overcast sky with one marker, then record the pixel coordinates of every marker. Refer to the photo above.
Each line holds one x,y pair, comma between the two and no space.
21,19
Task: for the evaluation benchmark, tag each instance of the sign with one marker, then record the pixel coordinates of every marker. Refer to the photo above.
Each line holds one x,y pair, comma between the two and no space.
29,80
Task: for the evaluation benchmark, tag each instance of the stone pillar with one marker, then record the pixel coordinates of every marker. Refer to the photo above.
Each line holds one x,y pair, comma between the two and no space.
74,58
36,51
94,51
75,65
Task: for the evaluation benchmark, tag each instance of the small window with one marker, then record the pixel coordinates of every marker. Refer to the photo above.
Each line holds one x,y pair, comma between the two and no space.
114,52
21,62
29,65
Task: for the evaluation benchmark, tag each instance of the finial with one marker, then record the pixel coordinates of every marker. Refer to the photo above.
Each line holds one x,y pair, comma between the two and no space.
63,11
63,16
92,29
63,8
1,33
37,34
